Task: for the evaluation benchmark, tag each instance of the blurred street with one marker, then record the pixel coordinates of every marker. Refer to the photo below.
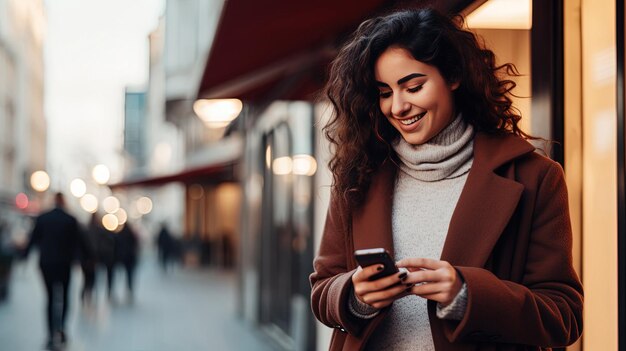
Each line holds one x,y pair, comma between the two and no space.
183,309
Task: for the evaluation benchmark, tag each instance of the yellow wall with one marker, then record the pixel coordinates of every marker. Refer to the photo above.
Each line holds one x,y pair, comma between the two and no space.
573,127
599,174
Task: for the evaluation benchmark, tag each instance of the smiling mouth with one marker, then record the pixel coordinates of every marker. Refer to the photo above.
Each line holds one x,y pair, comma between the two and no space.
408,122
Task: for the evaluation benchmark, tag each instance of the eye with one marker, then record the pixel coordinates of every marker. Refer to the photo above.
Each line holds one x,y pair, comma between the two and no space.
384,94
415,89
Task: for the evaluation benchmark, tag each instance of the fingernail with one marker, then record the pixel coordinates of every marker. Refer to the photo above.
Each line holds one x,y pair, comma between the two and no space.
402,276
379,268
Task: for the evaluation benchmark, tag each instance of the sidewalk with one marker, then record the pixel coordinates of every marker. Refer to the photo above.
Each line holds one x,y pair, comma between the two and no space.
185,310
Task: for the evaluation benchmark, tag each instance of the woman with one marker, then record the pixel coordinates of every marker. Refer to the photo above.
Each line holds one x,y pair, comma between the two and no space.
431,165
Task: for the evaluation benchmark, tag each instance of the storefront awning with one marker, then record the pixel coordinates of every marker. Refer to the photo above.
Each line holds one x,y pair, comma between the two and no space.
210,174
213,164
280,49
261,43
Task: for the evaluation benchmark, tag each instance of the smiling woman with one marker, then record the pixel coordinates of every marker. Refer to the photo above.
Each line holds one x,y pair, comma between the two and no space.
431,165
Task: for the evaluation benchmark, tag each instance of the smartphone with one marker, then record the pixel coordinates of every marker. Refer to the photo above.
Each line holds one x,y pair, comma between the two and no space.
368,257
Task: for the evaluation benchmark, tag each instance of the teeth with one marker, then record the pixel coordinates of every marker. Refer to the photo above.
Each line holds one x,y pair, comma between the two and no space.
410,121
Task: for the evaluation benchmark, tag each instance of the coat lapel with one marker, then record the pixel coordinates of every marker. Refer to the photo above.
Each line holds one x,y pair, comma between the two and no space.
485,207
487,202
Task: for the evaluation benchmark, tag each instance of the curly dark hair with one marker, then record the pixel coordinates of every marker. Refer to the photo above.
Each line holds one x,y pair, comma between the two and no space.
359,132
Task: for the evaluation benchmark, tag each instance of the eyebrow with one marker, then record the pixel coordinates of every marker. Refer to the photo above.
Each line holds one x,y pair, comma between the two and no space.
403,79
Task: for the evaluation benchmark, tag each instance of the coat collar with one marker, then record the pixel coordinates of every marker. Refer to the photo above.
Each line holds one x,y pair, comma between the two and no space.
485,206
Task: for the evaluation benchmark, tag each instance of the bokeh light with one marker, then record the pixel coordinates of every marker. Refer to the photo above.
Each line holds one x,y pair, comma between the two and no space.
304,165
101,174
21,201
282,165
121,215
78,188
89,203
144,205
110,222
110,204
40,181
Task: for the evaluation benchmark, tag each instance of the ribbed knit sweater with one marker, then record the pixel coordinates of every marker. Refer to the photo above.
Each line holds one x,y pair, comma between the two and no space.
427,190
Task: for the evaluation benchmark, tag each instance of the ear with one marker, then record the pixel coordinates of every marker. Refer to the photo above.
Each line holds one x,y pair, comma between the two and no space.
455,85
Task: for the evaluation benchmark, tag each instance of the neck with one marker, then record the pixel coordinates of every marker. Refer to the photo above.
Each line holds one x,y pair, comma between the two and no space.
447,155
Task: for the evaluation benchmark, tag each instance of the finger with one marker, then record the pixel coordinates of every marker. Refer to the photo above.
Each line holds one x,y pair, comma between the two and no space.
364,287
423,276
382,295
425,289
421,262
443,298
445,275
364,273
435,292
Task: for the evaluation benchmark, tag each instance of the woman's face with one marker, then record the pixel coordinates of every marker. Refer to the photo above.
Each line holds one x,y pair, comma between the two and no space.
414,96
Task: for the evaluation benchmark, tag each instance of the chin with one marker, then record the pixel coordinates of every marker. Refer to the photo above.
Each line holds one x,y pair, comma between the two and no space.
415,139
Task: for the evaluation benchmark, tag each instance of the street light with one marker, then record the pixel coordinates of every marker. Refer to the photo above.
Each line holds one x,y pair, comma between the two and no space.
217,113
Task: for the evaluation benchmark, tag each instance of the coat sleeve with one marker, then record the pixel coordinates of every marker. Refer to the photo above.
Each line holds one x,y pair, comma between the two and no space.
331,280
545,308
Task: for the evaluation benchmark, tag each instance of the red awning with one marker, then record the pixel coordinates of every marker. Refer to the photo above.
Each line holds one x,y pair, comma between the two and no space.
280,49
261,43
208,174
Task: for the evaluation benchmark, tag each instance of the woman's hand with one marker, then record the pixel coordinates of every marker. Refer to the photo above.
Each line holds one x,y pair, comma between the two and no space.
434,280
378,293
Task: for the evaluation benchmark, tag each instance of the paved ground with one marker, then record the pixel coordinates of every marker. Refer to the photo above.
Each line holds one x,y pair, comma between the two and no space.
185,309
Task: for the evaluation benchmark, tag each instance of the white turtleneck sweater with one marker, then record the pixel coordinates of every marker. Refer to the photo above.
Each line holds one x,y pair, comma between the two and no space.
427,189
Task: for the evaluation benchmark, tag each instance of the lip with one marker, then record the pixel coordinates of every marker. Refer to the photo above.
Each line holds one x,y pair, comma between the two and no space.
411,127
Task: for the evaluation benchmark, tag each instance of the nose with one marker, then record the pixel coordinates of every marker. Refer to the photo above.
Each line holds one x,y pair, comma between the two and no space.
399,106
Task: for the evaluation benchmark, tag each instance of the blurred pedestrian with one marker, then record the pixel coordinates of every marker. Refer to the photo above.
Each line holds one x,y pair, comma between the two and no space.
126,250
165,245
56,234
88,261
6,259
105,248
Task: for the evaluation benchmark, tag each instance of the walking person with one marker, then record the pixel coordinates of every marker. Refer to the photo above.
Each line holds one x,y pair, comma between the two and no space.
105,244
126,250
165,246
430,164
57,236
88,261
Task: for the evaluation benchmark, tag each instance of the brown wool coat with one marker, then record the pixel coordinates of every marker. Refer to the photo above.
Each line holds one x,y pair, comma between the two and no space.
509,237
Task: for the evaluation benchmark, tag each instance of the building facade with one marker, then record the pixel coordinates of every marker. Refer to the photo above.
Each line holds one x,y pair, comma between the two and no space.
23,131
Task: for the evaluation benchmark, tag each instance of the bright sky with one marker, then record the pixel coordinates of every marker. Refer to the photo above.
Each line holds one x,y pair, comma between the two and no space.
94,49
